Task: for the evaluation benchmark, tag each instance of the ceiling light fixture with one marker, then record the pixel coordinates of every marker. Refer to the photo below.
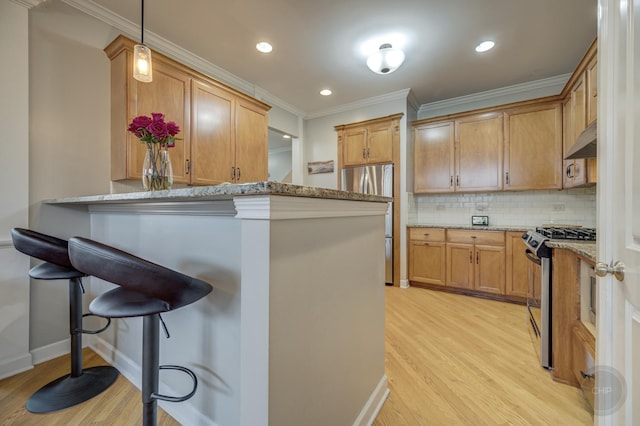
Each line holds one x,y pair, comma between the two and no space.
142,57
386,60
325,92
484,46
264,47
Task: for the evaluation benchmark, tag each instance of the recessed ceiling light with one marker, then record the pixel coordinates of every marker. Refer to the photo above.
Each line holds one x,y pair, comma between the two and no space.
286,136
264,47
484,46
325,92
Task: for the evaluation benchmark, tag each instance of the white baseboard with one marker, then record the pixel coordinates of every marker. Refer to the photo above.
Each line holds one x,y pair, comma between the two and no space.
53,350
404,283
16,365
183,412
374,404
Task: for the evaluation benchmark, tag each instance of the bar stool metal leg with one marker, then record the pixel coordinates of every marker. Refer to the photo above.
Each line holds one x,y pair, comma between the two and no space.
80,385
150,368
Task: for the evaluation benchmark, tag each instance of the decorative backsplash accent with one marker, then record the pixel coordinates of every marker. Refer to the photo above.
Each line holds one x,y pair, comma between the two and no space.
575,206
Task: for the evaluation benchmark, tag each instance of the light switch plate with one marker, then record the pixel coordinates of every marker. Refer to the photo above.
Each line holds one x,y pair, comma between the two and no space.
480,220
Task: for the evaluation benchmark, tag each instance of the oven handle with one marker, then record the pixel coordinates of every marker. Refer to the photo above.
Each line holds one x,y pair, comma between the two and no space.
532,257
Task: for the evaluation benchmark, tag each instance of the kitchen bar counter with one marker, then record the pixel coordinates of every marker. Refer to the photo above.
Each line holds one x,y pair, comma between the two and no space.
293,332
222,192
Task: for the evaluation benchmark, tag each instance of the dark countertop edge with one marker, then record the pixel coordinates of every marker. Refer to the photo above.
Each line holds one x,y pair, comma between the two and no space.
221,192
480,228
586,249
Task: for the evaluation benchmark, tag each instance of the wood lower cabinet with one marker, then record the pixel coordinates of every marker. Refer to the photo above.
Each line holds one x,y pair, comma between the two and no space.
584,355
223,132
427,254
517,266
476,260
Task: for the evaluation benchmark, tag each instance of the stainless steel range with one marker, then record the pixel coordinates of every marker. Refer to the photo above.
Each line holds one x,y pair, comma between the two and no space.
539,293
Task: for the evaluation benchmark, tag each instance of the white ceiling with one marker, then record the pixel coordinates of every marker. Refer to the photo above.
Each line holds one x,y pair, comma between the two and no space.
317,43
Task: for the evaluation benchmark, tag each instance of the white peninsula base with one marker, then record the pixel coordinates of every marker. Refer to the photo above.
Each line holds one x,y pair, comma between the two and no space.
293,332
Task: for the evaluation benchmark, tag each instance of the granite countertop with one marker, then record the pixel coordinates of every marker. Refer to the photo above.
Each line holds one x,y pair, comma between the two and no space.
479,228
221,192
586,249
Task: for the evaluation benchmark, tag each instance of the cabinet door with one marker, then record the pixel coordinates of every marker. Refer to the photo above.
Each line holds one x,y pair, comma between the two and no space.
168,93
427,262
460,265
575,171
212,139
433,157
592,91
533,148
517,266
489,270
251,143
355,146
379,143
479,148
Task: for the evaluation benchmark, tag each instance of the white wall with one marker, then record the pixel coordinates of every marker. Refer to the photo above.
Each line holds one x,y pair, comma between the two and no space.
321,139
531,208
69,134
14,188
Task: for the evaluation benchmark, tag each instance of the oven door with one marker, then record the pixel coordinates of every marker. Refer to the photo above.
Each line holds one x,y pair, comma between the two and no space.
538,305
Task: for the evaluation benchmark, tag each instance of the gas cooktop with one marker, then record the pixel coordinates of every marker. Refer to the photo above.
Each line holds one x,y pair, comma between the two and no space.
567,233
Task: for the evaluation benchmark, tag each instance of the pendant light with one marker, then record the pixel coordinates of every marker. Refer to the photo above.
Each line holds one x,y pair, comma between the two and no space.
142,57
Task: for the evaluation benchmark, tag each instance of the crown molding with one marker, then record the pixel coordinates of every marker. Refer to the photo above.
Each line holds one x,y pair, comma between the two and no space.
393,96
28,3
176,52
544,83
412,101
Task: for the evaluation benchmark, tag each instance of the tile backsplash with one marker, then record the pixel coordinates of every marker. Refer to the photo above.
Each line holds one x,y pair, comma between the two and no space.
528,208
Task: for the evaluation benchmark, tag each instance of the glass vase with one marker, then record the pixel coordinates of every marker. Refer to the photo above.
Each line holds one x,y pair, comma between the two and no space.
157,173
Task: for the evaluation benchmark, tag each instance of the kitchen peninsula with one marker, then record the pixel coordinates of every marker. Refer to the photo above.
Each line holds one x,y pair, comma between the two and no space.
293,332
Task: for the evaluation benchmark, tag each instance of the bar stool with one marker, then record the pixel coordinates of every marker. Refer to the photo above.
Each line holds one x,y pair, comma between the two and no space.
81,384
145,290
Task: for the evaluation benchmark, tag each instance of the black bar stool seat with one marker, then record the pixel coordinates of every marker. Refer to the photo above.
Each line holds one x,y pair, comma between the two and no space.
81,384
145,290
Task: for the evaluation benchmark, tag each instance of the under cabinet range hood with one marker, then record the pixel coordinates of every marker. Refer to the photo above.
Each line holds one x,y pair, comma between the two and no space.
585,145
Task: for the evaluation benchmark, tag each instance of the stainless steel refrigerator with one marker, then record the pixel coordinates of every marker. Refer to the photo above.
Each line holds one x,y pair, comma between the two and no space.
377,180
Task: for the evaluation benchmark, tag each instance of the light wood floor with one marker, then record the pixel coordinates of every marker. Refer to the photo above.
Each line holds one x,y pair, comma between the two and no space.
459,360
450,360
118,405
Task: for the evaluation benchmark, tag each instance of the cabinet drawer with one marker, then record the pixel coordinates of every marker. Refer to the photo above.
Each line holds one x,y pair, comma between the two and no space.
426,234
493,238
583,361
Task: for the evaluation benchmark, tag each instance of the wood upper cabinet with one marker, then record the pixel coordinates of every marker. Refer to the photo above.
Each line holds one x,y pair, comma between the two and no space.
251,142
367,142
533,147
219,125
479,148
433,159
213,140
517,278
427,256
461,155
592,90
476,260
580,110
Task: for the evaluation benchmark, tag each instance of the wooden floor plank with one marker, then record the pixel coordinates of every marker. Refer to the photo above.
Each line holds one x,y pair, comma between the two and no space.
450,360
459,360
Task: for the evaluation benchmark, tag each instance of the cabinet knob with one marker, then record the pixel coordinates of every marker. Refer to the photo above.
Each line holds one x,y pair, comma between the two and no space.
585,375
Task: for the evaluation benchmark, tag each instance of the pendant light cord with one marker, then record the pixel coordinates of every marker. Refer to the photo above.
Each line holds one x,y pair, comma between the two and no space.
142,25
